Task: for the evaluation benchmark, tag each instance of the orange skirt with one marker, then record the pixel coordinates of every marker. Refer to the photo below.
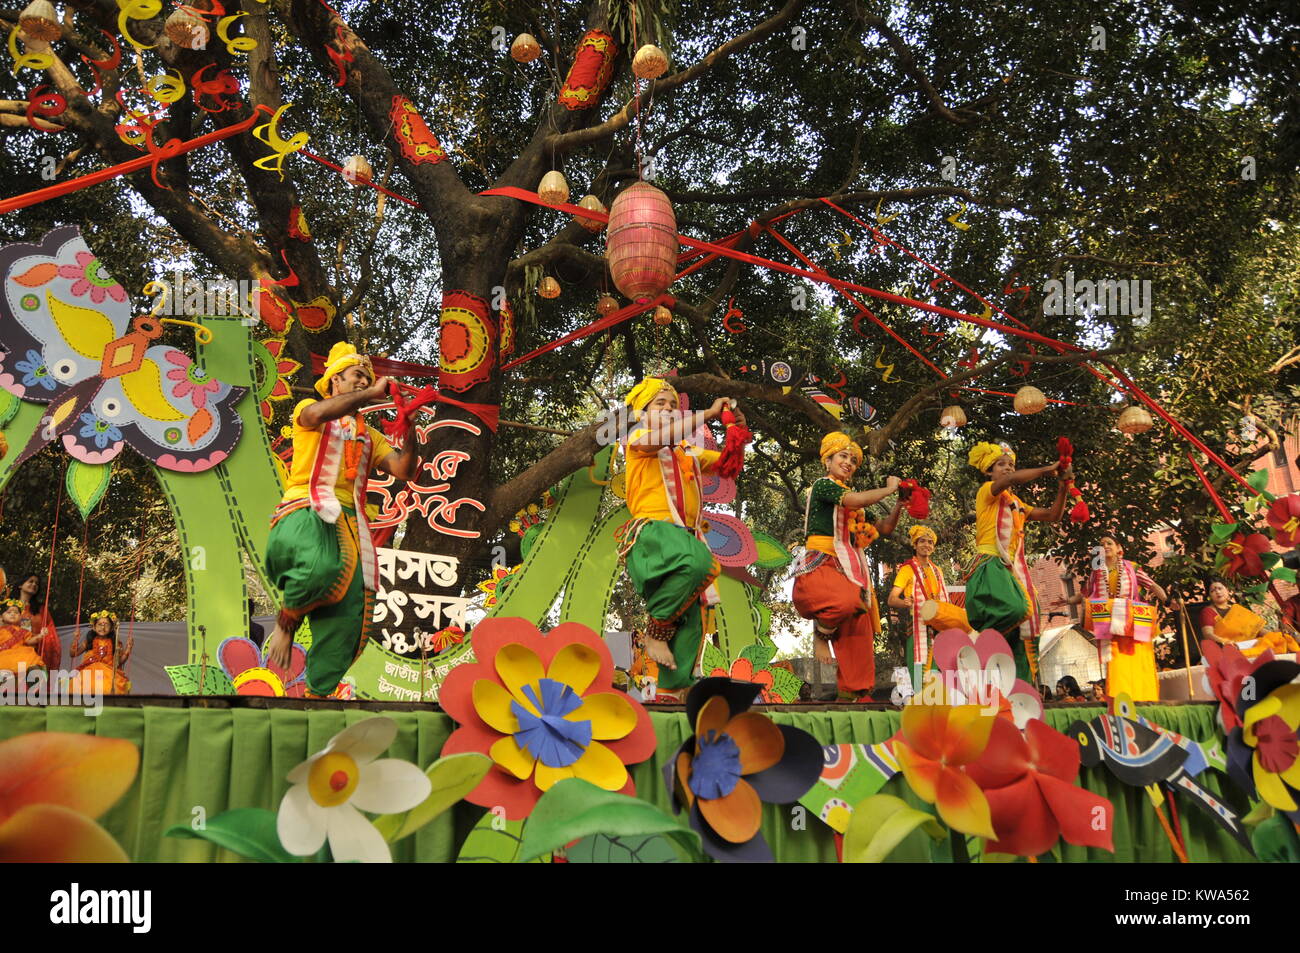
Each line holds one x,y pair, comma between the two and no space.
826,595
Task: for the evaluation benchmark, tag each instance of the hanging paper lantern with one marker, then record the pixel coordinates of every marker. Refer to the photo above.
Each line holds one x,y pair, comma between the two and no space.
663,316
641,245
186,30
525,48
650,62
1134,419
606,304
952,416
357,170
1029,400
39,21
554,189
596,205
548,287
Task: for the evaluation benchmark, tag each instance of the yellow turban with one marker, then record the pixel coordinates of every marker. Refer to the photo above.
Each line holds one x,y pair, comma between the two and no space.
646,391
836,441
342,356
984,455
917,531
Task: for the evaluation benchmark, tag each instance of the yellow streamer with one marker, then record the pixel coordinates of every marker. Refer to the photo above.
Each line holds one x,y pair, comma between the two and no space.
888,368
136,10
269,133
884,219
240,44
164,88
27,60
952,219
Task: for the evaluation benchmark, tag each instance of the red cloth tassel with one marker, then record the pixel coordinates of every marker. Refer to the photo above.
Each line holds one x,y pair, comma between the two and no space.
1065,450
733,448
396,429
918,499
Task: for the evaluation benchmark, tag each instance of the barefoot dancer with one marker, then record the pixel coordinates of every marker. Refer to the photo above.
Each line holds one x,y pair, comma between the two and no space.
663,543
320,553
999,591
833,585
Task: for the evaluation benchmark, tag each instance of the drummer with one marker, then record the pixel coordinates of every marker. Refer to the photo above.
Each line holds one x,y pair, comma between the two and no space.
918,580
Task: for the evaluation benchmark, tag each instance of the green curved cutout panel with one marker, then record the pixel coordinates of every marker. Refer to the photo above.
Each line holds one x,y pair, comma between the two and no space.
586,598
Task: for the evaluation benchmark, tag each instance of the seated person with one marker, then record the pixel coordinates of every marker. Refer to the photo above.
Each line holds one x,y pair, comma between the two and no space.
17,645
1067,690
101,671
1229,622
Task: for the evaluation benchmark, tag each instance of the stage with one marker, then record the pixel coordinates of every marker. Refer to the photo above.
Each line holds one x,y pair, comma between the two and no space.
203,756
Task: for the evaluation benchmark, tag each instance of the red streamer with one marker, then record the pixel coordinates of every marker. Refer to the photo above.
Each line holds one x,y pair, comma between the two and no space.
1065,453
731,461
423,397
918,499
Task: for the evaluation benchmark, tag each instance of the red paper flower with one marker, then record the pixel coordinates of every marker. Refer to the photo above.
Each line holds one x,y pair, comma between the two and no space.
1284,517
1030,785
252,673
277,370
541,706
1226,669
1242,553
742,670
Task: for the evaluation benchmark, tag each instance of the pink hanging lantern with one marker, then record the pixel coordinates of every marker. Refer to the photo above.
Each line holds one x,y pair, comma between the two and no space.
642,242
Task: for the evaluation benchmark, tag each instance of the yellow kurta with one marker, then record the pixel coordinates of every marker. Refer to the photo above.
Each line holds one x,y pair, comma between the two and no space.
986,521
305,444
647,497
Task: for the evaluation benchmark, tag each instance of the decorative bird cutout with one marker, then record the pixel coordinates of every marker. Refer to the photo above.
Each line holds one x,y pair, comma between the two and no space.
861,409
70,342
1141,757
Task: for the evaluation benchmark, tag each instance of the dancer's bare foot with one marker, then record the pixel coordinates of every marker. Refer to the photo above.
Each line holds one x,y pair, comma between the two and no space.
660,653
279,647
822,650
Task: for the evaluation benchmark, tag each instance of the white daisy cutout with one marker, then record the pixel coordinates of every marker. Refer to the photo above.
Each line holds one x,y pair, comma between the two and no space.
333,786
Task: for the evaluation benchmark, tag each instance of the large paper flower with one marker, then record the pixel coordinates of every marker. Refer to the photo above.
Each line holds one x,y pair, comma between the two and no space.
980,670
736,760
1264,752
276,370
542,707
1284,518
937,742
1242,553
1226,669
330,786
252,673
52,787
742,670
1029,782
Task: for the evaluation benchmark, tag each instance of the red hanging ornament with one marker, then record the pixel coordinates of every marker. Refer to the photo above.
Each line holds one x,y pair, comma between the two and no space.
733,448
1065,452
918,499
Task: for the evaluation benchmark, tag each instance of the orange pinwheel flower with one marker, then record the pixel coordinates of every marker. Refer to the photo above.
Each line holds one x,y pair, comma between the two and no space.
52,787
937,742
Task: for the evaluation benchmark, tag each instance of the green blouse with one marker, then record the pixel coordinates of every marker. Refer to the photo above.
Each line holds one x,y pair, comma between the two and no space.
826,495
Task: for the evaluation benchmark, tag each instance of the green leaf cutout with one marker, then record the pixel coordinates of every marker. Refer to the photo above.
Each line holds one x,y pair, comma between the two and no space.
1258,480
573,809
771,554
879,824
494,840
247,831
8,407
185,679
87,483
452,777
1220,532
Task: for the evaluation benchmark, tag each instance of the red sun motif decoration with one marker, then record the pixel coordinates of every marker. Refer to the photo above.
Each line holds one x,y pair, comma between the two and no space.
466,345
593,66
419,144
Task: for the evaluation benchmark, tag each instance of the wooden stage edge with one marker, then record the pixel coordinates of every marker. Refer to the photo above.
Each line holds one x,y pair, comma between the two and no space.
259,702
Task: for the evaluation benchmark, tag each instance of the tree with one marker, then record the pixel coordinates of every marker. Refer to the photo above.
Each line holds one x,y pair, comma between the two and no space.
1108,140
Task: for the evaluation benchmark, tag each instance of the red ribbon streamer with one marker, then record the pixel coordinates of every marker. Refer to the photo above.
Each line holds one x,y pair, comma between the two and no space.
423,397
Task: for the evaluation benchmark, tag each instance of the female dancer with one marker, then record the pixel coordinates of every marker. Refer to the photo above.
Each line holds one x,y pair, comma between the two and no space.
999,592
833,585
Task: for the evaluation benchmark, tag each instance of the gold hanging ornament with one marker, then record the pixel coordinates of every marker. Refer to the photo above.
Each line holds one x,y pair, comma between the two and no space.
1134,420
590,201
663,316
1029,400
650,62
358,170
186,30
39,21
554,188
548,287
952,416
525,48
606,304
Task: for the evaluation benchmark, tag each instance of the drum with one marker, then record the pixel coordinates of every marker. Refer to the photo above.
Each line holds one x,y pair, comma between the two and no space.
941,616
1238,624
1097,618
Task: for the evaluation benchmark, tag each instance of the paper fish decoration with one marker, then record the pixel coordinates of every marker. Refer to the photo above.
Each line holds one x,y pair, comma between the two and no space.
70,342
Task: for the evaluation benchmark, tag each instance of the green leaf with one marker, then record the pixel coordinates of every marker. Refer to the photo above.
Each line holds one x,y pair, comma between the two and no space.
1283,574
185,679
1221,532
604,849
759,653
1258,480
529,537
1275,841
494,840
573,809
87,483
8,407
1269,560
785,684
713,659
879,824
771,554
453,777
247,831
